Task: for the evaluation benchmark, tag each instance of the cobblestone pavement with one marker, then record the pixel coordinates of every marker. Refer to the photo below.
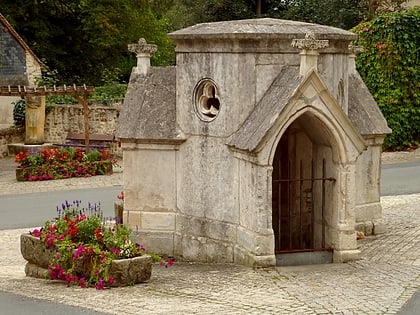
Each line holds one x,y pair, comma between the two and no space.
381,282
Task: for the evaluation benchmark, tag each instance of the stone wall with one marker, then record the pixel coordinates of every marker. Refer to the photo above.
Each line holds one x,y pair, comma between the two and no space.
10,135
69,118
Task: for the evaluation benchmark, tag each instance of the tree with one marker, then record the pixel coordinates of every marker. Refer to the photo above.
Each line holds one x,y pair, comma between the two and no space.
86,40
339,13
390,66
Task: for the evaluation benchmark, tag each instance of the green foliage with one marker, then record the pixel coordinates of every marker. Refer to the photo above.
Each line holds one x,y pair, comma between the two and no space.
19,112
390,66
107,94
83,38
339,13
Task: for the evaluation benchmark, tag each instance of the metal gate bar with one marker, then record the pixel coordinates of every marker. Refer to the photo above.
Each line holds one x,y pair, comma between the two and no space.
289,182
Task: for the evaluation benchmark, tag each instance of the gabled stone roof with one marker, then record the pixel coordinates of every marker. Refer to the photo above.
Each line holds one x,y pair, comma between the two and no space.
364,113
260,28
148,113
267,111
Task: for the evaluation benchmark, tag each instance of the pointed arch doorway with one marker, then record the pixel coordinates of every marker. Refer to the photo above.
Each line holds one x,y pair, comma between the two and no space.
303,193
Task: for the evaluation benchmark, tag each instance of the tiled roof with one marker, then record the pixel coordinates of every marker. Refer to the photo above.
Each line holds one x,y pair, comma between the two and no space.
19,39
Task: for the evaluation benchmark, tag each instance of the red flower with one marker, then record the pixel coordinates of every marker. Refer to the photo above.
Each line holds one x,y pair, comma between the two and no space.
98,234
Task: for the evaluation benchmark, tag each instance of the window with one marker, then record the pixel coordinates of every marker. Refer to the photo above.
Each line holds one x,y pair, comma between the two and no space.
207,102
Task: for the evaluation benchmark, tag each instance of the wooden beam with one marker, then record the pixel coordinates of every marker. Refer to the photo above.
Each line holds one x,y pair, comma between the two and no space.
22,90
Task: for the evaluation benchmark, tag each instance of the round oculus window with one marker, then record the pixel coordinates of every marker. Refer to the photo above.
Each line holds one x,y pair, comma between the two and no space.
207,103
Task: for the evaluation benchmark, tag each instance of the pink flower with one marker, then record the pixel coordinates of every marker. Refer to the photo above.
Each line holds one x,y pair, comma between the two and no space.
36,233
100,285
82,283
116,251
79,251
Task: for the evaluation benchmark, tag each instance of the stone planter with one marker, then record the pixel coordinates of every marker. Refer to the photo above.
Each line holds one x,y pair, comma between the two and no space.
124,271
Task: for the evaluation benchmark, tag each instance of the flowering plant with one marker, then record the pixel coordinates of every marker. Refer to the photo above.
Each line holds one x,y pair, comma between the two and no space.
86,243
57,163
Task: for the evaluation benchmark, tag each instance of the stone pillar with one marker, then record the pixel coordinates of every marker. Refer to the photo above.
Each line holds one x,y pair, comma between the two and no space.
354,50
143,52
35,119
309,54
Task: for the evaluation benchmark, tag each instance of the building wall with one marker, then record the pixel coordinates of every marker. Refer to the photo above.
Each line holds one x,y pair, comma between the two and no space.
6,110
10,135
33,69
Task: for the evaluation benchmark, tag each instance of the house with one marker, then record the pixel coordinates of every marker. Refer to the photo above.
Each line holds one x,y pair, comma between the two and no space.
262,146
18,66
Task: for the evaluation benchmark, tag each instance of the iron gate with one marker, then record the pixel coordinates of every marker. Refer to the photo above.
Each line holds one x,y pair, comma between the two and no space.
299,207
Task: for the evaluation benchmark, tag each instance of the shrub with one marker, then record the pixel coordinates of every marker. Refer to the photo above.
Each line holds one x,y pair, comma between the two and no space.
19,112
390,66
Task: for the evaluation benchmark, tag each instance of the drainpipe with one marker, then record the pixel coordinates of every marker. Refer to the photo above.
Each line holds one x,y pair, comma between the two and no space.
309,54
143,52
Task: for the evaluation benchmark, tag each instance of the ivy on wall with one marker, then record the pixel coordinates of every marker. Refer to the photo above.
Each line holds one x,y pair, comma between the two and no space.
390,67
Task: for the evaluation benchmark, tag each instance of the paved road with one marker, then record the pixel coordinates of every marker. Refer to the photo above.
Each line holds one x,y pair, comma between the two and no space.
14,304
31,210
400,179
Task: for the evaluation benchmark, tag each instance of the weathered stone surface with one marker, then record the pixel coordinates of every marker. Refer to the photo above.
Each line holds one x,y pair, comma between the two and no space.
35,271
276,98
69,118
131,271
149,110
271,118
364,113
35,251
257,28
34,119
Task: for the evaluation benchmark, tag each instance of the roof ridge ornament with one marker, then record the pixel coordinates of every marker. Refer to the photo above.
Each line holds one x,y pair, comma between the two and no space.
310,42
143,50
309,54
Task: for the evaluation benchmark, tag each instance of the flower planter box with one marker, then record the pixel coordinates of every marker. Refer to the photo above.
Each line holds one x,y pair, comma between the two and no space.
65,170
124,271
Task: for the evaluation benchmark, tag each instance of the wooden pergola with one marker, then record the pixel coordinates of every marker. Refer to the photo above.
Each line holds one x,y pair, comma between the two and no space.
80,94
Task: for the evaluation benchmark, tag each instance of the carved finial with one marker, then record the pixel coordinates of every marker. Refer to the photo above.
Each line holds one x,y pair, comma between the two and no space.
355,49
310,42
142,50
142,47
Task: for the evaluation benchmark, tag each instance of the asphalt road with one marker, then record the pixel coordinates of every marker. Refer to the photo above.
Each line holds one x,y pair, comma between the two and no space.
400,179
13,304
31,210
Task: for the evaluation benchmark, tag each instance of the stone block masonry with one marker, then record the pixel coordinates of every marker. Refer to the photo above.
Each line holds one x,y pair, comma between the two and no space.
69,118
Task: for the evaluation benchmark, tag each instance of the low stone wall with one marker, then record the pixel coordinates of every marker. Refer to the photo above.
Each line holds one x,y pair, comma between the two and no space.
69,118
10,135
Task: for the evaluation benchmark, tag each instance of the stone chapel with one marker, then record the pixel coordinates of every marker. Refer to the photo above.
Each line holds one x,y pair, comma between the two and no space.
261,144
